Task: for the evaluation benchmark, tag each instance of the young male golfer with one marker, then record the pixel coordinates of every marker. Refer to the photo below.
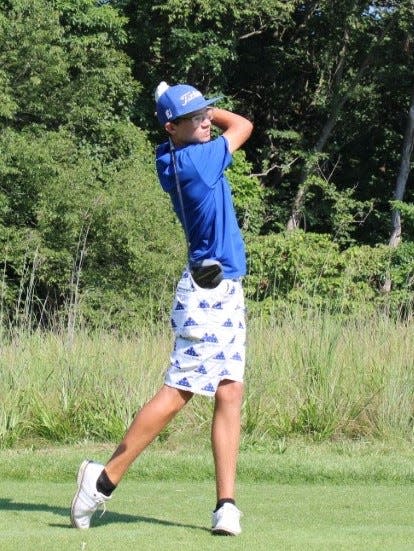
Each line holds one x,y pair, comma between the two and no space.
208,311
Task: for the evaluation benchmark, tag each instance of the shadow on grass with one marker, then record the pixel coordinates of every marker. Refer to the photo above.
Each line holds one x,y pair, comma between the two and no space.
7,504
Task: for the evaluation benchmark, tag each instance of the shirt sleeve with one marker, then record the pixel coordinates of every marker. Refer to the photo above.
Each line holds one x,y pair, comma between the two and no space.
211,159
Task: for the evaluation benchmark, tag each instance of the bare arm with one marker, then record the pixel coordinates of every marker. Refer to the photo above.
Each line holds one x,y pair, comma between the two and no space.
236,128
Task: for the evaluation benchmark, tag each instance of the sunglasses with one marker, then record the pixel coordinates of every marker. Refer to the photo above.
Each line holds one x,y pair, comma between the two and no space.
199,117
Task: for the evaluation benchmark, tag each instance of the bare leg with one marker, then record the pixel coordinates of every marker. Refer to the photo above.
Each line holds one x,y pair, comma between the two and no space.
225,436
147,424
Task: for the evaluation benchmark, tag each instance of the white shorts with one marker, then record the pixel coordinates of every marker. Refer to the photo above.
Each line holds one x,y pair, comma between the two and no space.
210,336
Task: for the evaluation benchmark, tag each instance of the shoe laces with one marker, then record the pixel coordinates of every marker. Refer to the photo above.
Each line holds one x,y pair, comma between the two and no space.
102,505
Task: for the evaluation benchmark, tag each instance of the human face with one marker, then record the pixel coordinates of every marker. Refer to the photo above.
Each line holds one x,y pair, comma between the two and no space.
198,117
192,128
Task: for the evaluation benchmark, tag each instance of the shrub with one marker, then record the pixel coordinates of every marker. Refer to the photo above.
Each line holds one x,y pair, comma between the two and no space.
310,269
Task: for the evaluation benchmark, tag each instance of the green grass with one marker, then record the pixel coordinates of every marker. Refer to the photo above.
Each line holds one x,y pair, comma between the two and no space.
176,515
326,456
302,495
294,462
307,374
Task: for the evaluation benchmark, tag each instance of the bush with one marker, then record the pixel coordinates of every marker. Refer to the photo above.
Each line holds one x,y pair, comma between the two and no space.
100,238
310,269
248,194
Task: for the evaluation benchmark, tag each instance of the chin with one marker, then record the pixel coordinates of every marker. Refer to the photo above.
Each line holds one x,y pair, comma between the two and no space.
202,139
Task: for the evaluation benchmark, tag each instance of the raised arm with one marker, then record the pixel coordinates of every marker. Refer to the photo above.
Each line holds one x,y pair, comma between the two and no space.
236,128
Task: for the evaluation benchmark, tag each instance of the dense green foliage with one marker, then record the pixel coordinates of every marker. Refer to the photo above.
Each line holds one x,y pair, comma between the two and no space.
311,270
86,235
83,225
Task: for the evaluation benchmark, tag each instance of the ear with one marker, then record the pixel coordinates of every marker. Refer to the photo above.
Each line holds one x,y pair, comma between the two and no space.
171,128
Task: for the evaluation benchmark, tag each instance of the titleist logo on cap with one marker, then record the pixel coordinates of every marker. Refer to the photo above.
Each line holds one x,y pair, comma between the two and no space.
188,96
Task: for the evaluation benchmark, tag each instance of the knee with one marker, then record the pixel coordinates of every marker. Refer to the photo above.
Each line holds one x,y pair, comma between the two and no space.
172,400
230,392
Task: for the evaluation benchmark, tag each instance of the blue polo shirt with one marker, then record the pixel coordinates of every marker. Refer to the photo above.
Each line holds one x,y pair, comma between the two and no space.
208,206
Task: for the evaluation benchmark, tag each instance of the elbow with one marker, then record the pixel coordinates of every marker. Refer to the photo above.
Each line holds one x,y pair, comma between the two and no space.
248,129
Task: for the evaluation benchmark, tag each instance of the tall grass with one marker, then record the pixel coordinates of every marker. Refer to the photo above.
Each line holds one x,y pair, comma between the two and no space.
320,375
308,373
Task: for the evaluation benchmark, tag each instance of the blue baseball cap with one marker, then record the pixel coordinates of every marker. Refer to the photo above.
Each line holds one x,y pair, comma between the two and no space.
173,102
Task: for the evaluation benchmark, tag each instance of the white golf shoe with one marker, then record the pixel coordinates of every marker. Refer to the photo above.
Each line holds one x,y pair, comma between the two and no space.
87,499
226,520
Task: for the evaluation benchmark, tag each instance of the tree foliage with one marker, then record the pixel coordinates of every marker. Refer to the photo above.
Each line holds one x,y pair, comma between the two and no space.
86,232
326,84
82,220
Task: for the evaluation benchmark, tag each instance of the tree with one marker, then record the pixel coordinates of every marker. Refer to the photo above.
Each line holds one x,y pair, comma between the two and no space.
405,168
314,77
337,94
400,186
77,179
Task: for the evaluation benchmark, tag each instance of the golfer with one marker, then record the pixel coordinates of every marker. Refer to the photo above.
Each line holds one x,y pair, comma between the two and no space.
207,318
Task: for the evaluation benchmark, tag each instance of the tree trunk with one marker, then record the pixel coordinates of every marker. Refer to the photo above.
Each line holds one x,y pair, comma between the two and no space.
401,183
337,106
296,214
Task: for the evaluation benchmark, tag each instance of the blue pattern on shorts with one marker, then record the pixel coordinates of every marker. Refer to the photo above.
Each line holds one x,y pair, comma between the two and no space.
209,329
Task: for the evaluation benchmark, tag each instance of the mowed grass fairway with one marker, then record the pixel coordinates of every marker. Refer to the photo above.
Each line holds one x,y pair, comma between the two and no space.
327,501
171,516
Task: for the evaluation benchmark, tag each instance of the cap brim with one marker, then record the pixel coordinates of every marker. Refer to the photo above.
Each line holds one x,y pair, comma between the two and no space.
213,100
201,105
